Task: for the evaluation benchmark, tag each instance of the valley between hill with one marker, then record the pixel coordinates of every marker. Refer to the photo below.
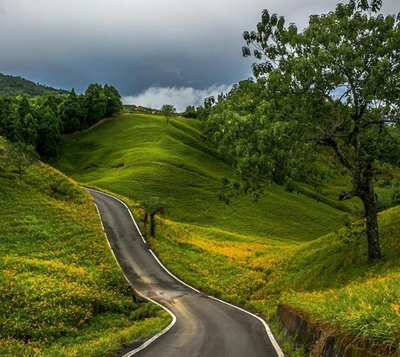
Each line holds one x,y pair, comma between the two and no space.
286,248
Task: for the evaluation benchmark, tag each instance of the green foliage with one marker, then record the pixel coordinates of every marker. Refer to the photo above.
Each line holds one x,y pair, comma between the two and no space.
41,121
14,86
49,133
29,130
190,112
396,193
9,120
168,110
20,157
96,104
152,207
114,104
72,113
322,87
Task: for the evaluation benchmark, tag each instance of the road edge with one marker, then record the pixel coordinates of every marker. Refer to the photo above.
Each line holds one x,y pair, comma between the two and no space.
166,329
274,342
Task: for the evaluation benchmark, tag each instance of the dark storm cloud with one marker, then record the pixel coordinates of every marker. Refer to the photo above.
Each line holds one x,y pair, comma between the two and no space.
135,45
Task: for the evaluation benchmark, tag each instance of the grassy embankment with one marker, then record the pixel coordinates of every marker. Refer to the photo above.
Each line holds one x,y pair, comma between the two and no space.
61,291
253,254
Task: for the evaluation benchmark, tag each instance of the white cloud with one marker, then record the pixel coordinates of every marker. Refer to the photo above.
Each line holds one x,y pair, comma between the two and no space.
156,97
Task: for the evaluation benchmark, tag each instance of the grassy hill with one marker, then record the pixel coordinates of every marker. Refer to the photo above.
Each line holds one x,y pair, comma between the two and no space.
280,249
140,156
61,291
13,86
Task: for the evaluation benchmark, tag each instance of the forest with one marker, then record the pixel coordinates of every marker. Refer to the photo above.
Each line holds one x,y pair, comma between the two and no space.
16,85
39,122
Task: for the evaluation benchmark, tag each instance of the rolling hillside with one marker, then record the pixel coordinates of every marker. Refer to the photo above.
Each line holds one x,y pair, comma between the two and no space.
285,248
140,156
61,291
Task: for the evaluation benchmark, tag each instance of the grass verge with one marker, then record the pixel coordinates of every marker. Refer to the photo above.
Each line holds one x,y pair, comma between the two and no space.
61,291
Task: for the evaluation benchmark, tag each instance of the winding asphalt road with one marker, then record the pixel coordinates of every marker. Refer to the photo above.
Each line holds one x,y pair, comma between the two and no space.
204,327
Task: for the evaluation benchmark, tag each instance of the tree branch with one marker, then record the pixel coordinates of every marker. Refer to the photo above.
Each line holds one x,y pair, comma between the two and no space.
347,195
330,141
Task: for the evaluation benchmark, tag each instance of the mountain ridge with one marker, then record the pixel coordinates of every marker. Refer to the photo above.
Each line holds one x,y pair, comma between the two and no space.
17,85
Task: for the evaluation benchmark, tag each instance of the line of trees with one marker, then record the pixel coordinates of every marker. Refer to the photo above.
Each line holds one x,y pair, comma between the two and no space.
40,121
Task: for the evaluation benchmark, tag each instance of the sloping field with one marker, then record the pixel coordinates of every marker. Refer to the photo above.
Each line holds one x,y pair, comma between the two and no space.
61,291
285,248
140,156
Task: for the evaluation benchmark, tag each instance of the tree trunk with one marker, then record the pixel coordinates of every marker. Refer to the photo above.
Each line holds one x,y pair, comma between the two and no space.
152,225
145,220
371,216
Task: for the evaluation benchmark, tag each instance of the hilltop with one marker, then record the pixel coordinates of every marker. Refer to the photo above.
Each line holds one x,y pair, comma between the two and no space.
14,86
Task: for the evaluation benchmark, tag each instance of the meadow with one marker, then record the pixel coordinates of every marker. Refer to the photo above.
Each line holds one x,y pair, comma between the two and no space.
285,248
61,290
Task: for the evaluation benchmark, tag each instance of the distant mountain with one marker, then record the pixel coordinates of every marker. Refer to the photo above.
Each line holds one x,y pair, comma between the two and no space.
20,86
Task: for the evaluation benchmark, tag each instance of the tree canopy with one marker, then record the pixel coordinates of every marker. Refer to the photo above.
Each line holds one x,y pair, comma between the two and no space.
334,85
168,110
40,121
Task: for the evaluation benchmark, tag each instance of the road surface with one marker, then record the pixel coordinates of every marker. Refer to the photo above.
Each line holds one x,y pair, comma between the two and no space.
204,327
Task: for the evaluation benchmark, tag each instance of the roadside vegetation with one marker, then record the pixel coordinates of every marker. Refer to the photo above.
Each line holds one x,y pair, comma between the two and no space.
287,247
61,291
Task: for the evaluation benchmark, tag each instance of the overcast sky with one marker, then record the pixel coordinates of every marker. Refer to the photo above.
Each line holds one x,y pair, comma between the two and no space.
153,51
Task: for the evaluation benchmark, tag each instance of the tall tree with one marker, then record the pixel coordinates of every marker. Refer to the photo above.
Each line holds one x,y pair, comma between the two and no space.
24,108
9,118
114,103
29,130
49,133
96,104
335,85
71,113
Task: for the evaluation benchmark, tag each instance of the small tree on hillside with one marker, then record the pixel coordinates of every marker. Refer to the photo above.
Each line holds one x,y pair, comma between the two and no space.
21,156
168,110
151,208
3,152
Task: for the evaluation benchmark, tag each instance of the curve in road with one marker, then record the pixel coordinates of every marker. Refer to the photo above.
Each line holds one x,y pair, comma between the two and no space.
202,326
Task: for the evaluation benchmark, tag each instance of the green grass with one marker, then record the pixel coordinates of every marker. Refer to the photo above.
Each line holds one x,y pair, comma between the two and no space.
140,156
286,248
61,291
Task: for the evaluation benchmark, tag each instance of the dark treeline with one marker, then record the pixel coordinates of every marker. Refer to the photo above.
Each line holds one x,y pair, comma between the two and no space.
20,86
40,121
202,112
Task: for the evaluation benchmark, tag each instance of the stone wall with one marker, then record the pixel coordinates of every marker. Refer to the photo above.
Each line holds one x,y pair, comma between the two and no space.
316,341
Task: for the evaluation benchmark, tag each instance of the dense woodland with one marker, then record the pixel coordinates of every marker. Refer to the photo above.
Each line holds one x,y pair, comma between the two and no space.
40,121
12,85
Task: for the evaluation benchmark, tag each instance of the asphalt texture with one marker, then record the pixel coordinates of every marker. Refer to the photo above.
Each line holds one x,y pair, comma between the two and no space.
204,327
